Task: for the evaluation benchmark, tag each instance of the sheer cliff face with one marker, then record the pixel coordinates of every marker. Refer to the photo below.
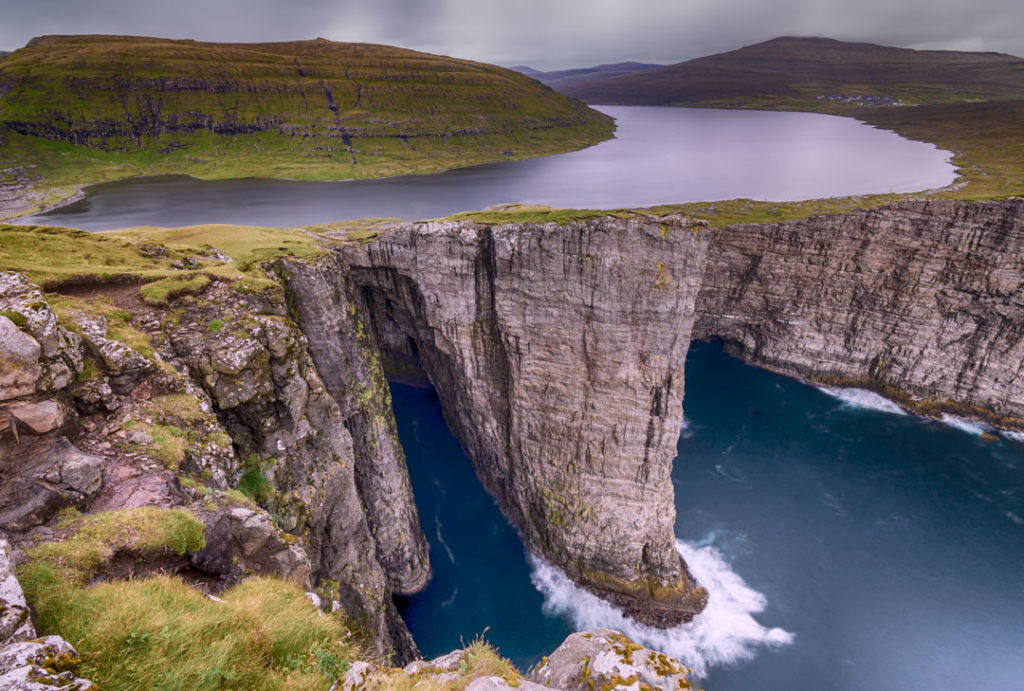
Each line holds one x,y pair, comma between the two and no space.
558,354
921,301
347,361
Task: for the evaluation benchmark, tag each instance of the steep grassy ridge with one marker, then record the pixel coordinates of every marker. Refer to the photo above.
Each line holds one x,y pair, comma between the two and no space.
77,109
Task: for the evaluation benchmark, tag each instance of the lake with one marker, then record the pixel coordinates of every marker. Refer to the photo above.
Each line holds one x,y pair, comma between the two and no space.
659,156
845,545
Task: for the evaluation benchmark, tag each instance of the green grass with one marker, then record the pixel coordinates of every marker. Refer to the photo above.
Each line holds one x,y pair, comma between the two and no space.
313,110
119,326
159,633
92,541
61,258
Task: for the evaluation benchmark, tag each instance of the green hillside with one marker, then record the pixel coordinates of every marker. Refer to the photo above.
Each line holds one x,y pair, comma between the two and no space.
76,109
792,71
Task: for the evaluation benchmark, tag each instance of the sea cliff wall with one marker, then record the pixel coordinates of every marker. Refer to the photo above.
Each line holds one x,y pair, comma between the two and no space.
557,351
921,301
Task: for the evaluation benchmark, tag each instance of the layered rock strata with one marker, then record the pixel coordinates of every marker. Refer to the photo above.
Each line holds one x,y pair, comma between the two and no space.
557,351
922,301
331,315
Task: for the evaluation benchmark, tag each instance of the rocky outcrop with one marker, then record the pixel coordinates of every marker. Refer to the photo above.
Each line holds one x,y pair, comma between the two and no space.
243,540
920,301
295,449
332,318
28,663
42,470
558,353
588,660
605,659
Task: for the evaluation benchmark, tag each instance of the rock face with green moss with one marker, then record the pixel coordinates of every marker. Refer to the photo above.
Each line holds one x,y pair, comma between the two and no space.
298,454
28,662
557,352
920,301
219,399
333,318
77,109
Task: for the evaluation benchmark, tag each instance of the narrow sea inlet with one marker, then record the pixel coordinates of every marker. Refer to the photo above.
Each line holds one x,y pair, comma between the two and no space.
658,156
845,547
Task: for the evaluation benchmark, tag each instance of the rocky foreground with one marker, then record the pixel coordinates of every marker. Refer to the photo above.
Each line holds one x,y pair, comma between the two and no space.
233,418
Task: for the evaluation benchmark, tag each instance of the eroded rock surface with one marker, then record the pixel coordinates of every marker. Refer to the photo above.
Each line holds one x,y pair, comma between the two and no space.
558,355
333,318
605,659
28,663
922,301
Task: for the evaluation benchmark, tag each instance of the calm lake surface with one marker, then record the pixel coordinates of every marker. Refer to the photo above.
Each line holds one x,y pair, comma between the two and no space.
845,547
659,156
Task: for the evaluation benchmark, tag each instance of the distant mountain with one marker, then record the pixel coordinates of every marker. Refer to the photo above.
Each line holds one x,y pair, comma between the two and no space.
803,72
561,80
4,52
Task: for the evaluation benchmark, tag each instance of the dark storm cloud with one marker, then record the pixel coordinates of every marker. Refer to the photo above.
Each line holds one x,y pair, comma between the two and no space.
543,33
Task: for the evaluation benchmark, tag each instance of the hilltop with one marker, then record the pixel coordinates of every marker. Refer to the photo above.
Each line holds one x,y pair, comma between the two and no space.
77,109
564,79
795,72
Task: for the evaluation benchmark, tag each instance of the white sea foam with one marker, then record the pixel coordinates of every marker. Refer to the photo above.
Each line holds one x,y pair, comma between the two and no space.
862,398
725,632
975,428
1015,436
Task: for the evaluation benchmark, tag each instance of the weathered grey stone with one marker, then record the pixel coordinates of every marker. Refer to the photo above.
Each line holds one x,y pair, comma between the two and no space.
920,301
605,659
35,678
95,396
17,626
19,361
124,365
490,683
40,665
333,320
242,541
46,475
60,349
37,417
557,352
36,652
358,675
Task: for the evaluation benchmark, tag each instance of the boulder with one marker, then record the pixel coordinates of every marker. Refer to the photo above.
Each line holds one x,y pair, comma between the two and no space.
605,659
60,349
490,683
242,541
14,622
37,417
19,361
47,475
41,665
125,366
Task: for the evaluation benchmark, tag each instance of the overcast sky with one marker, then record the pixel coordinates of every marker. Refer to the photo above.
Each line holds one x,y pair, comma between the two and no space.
547,34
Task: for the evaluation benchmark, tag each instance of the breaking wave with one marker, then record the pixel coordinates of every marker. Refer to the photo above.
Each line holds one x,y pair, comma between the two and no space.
1015,436
725,632
862,398
975,428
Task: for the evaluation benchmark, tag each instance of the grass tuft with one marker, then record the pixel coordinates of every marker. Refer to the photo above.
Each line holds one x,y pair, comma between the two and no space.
159,633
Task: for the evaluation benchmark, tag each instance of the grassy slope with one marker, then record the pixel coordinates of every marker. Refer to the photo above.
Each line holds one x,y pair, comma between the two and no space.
789,72
90,108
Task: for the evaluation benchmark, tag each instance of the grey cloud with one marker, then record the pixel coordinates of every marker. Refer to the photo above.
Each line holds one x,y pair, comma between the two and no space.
544,33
